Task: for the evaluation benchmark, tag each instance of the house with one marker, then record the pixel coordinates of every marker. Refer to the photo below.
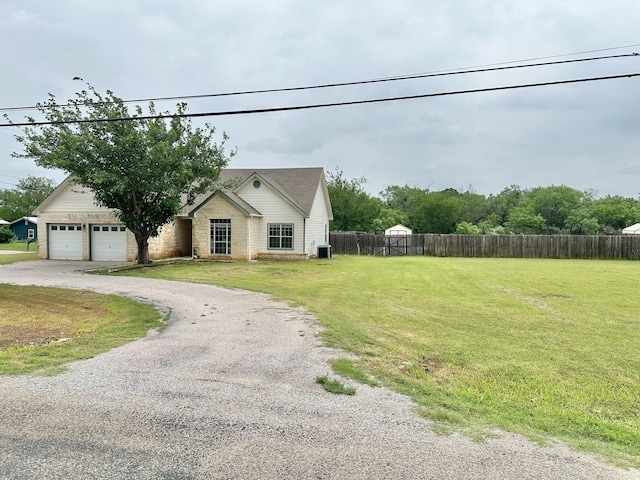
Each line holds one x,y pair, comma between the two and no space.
259,213
25,228
398,230
633,229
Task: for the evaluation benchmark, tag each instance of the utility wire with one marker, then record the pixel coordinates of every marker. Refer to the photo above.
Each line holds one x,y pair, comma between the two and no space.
548,57
320,105
344,84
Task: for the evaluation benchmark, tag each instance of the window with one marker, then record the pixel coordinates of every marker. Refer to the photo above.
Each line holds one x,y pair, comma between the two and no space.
31,234
281,235
256,184
220,236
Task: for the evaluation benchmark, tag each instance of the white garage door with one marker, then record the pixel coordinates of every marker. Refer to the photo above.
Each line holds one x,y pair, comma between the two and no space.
108,243
65,241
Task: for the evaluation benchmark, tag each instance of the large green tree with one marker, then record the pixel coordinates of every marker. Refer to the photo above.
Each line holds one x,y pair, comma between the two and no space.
501,204
545,210
20,201
405,199
438,212
144,168
353,208
614,213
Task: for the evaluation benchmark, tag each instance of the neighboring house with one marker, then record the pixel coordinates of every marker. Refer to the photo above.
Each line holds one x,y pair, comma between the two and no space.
633,229
398,230
3,222
264,213
25,228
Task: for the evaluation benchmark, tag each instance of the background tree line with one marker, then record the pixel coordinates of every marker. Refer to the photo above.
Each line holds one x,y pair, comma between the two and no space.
21,200
540,210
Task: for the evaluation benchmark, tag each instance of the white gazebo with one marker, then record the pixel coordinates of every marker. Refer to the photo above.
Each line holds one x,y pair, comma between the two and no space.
633,229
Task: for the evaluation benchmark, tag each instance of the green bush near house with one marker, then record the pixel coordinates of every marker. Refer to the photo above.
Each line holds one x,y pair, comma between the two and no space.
6,235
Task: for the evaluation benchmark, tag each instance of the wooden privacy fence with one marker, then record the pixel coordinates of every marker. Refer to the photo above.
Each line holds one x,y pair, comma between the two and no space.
517,246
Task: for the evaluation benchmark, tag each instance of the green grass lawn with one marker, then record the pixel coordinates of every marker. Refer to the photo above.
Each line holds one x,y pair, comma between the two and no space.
547,348
20,246
30,254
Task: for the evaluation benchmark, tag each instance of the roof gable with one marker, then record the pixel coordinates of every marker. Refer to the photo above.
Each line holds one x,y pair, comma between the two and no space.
297,185
232,198
33,220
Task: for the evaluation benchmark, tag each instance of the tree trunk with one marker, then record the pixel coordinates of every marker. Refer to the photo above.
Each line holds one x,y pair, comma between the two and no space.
143,248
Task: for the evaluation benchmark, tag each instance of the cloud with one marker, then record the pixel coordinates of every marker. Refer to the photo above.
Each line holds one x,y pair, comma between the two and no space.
582,135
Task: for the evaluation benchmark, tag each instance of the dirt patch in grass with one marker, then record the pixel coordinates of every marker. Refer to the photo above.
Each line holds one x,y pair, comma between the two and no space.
35,316
33,320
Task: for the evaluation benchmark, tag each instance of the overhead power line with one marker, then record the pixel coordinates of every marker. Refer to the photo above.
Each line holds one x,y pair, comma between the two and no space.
322,105
442,73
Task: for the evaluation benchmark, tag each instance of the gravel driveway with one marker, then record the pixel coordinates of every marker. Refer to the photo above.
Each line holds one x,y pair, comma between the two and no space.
228,391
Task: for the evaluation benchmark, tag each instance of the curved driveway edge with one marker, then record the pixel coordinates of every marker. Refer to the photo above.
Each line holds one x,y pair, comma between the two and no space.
228,391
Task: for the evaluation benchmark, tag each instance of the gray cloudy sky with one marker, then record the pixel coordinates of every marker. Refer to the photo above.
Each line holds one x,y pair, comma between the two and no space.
586,136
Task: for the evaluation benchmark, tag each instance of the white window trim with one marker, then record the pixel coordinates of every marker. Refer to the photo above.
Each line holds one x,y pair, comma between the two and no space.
280,237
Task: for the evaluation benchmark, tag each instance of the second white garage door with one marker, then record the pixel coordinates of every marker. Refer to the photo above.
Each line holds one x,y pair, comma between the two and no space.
108,243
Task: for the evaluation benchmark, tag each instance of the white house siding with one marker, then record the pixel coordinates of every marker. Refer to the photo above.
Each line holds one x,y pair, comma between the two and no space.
274,209
317,223
74,198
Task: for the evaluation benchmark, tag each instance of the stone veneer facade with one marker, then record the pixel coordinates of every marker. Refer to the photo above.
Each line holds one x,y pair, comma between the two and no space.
219,208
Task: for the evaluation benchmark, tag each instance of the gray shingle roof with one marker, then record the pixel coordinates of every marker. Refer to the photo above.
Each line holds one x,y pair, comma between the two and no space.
298,185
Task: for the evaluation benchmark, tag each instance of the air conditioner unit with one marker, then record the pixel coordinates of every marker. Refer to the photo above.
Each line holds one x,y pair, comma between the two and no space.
324,251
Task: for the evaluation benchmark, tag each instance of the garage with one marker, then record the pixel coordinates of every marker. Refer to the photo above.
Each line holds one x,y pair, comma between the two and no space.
109,243
65,241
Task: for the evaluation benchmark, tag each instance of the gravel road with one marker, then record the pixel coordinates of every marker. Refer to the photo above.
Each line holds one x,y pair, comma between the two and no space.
228,390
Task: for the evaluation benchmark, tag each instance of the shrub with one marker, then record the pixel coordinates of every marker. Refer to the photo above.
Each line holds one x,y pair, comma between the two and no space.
466,228
6,235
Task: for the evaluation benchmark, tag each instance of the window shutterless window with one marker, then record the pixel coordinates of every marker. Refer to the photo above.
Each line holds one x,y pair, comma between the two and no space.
220,236
280,236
